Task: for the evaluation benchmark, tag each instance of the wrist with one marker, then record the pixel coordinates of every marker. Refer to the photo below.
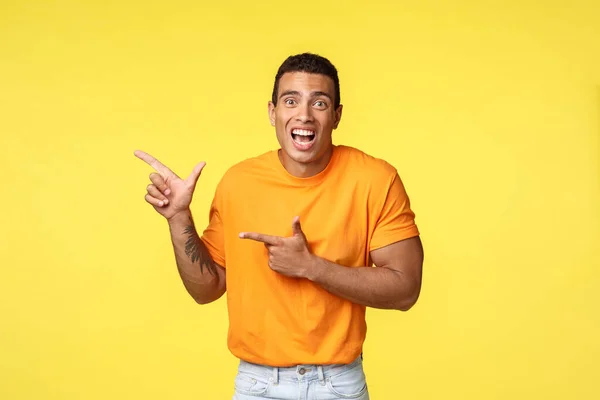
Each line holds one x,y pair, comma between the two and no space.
183,217
315,268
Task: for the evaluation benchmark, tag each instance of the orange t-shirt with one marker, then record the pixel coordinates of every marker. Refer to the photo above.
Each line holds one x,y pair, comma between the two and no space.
356,204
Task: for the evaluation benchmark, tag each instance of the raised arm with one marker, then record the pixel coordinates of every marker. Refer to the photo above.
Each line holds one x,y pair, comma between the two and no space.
171,197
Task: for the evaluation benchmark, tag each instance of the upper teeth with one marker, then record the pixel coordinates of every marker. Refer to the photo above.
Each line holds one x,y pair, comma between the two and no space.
302,132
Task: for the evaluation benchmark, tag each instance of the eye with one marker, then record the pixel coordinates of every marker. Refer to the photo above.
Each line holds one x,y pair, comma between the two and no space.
320,104
290,102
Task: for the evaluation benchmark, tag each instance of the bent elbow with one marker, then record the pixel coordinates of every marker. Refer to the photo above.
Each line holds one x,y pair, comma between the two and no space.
205,298
208,296
407,302
405,306
202,301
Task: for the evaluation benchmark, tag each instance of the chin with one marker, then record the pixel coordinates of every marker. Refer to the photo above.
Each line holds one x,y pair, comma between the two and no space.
299,158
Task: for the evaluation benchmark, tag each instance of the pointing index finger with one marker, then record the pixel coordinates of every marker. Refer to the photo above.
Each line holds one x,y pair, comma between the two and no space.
153,162
259,237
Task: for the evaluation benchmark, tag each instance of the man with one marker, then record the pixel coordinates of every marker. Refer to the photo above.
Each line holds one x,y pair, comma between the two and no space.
293,235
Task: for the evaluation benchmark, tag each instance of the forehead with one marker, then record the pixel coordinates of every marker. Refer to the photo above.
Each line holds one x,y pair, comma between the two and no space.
304,82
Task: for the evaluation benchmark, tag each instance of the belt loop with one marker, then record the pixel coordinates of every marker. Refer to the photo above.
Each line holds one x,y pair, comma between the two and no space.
321,375
275,375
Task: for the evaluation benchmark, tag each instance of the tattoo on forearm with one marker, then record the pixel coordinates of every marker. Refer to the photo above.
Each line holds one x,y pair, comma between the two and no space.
197,252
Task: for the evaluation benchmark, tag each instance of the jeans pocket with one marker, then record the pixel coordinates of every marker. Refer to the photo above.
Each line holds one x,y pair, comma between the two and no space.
350,384
250,384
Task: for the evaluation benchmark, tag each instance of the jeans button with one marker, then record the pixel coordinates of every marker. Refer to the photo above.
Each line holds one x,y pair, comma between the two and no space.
301,371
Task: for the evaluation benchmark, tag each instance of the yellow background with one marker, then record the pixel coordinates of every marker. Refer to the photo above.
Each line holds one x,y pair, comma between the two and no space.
491,113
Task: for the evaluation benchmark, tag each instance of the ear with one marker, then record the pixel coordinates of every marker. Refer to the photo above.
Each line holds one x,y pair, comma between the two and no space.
338,116
272,113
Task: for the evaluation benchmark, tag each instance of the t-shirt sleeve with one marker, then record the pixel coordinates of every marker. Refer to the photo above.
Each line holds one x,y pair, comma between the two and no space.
396,220
213,235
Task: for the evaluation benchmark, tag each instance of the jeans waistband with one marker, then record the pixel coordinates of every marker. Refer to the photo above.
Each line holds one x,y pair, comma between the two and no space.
298,372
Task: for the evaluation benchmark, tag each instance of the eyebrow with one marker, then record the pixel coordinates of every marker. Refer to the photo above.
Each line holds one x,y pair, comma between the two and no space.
297,93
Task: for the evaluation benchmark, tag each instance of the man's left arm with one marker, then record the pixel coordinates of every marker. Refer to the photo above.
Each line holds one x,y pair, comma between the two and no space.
395,282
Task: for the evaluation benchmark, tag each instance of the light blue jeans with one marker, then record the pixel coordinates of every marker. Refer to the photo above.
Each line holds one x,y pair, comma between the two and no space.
301,382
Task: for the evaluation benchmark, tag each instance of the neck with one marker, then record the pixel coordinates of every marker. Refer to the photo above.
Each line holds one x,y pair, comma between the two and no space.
305,170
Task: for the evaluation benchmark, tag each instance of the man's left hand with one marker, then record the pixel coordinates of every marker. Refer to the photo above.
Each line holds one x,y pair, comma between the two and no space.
289,256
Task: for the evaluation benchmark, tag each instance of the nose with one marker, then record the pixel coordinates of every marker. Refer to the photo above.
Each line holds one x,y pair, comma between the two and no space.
305,114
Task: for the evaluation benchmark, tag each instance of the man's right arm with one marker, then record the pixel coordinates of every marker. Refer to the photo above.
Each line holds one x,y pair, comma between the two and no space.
202,277
171,197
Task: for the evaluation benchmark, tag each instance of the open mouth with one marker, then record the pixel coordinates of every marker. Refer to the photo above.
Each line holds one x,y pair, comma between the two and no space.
303,136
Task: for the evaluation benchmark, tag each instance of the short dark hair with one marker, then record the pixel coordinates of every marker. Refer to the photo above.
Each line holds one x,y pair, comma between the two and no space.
312,64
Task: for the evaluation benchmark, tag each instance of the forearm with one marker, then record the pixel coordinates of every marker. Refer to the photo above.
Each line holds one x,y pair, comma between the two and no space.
197,270
377,287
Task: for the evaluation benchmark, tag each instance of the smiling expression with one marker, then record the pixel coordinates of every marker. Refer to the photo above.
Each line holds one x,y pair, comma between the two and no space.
304,119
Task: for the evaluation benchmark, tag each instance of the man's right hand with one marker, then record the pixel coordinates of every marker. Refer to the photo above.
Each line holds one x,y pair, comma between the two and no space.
168,193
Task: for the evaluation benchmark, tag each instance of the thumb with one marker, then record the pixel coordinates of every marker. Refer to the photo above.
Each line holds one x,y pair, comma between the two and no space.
193,178
296,227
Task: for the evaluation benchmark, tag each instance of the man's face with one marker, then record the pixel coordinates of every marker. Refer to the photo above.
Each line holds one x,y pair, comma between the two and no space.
304,119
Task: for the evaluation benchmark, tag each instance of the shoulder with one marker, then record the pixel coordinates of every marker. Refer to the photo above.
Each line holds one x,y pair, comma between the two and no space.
366,165
240,172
